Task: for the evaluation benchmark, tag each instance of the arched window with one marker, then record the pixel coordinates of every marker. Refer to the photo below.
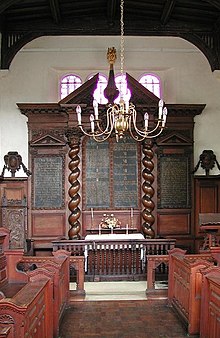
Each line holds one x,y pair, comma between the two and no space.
99,91
102,83
152,83
121,84
98,94
68,84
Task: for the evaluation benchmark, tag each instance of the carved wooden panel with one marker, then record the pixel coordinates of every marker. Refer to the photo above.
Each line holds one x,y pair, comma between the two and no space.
14,210
14,219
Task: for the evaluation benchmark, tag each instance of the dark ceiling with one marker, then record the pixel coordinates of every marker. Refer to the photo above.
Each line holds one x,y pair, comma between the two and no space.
197,21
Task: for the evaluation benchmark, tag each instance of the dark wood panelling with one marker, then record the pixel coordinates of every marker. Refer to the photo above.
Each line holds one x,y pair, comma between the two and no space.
48,224
207,198
174,223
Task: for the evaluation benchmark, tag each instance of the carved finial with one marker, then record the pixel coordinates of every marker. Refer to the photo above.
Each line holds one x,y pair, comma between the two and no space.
111,92
111,55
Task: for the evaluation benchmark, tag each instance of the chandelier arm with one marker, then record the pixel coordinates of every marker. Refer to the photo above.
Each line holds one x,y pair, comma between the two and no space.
136,137
140,137
102,139
138,131
148,132
109,122
105,132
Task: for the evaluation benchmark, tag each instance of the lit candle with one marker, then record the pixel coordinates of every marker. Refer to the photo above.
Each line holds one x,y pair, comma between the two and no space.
79,117
160,109
146,118
164,117
92,212
132,213
92,123
95,106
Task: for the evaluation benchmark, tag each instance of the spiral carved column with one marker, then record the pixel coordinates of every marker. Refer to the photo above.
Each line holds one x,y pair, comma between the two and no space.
148,190
75,226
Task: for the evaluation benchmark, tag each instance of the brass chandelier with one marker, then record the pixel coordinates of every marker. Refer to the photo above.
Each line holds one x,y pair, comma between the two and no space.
122,117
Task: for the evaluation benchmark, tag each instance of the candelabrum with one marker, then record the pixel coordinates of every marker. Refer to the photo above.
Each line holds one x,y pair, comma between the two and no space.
121,118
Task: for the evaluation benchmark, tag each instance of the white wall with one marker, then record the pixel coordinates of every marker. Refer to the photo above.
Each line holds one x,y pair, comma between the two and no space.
35,72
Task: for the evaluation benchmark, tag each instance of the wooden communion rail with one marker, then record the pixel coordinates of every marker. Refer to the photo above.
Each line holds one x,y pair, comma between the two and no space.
115,259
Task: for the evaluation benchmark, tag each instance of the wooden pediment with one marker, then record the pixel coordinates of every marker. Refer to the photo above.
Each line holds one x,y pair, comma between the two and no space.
47,140
174,138
139,94
83,94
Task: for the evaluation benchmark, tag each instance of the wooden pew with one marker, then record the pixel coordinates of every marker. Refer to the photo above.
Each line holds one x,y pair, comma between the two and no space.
184,286
30,312
57,269
210,303
153,262
76,262
27,298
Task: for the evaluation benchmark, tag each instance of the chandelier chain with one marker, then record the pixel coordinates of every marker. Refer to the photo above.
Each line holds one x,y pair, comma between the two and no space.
121,117
122,36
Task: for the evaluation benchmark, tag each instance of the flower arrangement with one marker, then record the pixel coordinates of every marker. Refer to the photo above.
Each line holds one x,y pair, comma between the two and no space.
109,222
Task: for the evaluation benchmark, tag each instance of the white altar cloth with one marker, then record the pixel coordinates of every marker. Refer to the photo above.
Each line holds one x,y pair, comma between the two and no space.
113,237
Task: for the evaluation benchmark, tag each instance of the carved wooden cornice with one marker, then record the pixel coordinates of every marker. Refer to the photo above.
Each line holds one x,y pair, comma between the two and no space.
189,110
40,108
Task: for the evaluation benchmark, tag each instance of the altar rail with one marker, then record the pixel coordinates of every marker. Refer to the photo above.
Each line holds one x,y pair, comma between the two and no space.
115,259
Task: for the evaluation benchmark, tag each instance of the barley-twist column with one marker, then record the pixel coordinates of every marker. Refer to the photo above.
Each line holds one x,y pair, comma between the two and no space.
74,144
148,190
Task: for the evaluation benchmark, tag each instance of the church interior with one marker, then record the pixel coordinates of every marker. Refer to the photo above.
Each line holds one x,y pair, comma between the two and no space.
109,168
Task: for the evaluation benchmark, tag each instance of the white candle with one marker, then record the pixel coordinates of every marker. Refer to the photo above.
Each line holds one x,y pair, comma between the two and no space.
132,213
92,123
92,212
78,111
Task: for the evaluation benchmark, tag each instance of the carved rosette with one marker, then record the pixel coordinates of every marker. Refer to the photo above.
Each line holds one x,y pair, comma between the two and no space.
148,190
74,144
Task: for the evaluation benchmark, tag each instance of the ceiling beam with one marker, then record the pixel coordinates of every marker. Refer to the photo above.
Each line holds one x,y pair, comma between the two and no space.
4,4
167,11
55,10
215,3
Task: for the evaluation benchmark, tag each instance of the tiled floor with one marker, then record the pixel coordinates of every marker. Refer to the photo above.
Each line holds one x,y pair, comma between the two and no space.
121,311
